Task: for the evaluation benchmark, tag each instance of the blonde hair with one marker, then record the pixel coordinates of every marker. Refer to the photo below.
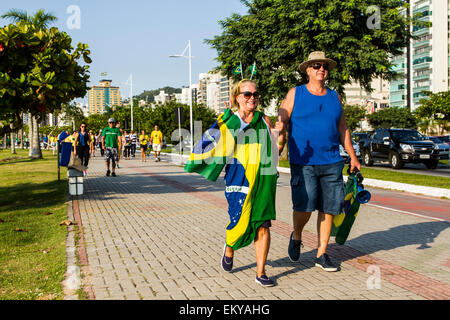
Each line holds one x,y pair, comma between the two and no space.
236,91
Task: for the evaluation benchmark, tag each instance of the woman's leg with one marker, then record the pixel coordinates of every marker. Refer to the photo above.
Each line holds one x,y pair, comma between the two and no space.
262,244
85,159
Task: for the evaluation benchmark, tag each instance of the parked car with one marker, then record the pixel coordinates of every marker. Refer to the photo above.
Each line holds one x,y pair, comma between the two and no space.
344,153
443,147
358,136
400,146
444,139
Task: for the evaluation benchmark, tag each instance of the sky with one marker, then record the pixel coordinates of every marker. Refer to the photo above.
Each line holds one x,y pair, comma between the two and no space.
137,36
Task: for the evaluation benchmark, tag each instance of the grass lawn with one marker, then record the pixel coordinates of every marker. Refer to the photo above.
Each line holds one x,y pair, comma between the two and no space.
386,175
32,244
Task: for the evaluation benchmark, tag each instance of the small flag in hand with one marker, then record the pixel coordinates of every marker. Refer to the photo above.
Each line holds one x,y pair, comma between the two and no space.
104,74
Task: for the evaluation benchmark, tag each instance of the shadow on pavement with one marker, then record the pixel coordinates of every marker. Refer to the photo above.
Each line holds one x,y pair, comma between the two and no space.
421,234
108,188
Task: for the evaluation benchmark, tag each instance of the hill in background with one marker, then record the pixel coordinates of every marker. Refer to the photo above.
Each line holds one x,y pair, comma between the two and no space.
152,93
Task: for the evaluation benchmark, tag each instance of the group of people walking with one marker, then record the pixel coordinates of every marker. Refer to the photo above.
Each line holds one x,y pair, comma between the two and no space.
311,116
242,141
113,143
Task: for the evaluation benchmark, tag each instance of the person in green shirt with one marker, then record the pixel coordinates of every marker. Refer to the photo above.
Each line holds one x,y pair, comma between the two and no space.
111,144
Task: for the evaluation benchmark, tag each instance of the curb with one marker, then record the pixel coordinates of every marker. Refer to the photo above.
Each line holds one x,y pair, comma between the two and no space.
428,191
72,281
423,190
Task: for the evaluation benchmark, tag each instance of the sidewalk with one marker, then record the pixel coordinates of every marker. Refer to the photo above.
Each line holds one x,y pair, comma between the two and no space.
157,232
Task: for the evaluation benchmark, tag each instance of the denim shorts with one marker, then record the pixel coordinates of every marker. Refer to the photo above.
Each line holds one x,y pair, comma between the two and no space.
318,187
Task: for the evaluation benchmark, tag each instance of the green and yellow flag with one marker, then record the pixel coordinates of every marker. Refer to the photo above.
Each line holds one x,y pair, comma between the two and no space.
238,70
250,172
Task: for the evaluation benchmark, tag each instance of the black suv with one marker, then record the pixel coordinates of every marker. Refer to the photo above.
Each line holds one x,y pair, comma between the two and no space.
399,146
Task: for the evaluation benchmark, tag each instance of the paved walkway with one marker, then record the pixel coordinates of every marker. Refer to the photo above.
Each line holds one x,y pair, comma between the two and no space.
157,232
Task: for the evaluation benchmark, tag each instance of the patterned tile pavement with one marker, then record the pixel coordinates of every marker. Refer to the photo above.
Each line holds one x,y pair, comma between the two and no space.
157,232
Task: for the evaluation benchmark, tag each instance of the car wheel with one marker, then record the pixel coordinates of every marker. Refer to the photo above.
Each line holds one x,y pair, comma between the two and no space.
367,158
431,164
395,161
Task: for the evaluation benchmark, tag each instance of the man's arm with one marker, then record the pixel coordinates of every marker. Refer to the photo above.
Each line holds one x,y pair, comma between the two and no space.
346,140
103,142
284,115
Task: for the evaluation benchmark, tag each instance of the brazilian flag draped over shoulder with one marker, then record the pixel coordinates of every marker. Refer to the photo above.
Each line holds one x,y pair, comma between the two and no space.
250,160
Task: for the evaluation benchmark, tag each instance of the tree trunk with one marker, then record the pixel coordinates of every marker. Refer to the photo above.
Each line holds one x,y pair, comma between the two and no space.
36,152
4,141
22,144
30,134
13,144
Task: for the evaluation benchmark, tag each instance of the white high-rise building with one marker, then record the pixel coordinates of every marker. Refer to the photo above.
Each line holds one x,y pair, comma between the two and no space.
429,55
208,92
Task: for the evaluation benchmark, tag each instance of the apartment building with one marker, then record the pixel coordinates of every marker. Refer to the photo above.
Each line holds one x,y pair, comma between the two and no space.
429,55
209,90
373,101
102,96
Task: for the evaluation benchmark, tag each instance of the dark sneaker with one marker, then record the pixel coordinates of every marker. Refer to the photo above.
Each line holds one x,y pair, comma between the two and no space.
108,173
227,262
294,248
113,174
325,263
265,281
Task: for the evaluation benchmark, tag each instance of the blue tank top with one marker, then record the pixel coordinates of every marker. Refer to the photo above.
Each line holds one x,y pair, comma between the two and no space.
313,130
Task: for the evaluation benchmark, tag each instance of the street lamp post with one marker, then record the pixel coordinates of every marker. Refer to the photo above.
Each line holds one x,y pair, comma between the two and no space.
189,57
131,101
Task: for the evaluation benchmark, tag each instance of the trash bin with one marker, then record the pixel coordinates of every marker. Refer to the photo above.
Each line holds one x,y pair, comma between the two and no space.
75,178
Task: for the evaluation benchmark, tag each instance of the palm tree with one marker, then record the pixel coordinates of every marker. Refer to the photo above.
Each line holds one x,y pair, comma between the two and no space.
40,20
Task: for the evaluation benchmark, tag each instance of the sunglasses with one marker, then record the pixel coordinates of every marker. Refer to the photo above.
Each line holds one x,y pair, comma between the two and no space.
248,94
317,66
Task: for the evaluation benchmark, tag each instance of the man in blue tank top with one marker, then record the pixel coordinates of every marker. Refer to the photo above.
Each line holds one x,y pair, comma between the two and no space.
316,126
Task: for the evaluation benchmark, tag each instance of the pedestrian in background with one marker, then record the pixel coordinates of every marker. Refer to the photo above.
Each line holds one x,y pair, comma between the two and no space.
127,143
92,144
316,126
143,140
99,141
111,143
82,145
120,149
156,138
133,138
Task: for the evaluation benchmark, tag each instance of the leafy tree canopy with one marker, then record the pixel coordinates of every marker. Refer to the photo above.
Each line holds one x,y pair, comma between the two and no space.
162,115
435,106
354,114
393,118
280,34
39,70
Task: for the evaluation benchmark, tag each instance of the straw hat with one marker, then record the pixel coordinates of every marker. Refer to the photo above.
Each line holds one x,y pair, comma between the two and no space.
317,56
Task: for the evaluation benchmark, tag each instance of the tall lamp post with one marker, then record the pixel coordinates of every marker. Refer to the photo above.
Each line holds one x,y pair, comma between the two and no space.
189,57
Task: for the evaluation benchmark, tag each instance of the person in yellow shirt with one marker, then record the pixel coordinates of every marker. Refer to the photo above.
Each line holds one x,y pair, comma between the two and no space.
156,138
143,140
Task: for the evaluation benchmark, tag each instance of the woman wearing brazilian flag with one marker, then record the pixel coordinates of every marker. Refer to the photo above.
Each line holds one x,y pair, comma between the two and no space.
242,143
